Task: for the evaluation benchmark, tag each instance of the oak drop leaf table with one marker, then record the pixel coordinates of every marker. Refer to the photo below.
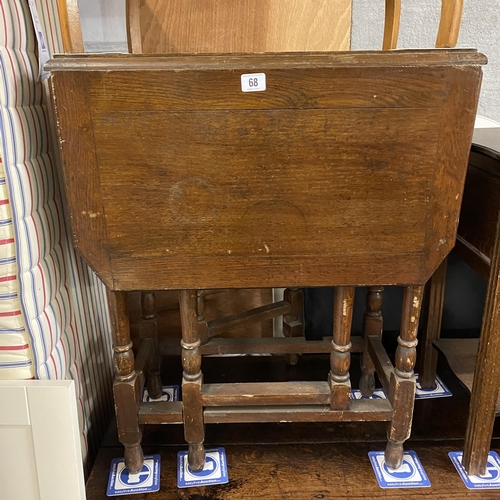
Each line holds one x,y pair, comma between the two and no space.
347,169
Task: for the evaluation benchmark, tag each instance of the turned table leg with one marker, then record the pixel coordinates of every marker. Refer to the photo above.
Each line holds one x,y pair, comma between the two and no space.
402,387
125,386
340,357
192,379
149,329
434,301
372,325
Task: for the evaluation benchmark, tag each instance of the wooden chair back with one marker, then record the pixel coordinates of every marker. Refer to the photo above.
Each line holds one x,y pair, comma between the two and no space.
271,26
229,26
449,24
71,30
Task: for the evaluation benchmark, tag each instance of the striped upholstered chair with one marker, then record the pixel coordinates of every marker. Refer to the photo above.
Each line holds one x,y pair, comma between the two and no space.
53,312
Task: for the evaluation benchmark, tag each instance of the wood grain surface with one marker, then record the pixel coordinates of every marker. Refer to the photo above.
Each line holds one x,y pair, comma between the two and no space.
345,153
224,26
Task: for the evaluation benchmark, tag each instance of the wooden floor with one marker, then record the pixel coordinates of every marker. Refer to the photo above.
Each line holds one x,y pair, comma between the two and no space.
304,461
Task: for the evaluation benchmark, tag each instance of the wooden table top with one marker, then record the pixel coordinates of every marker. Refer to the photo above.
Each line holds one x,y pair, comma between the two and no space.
348,169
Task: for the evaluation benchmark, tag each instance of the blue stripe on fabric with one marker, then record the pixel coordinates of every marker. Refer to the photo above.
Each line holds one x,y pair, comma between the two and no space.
7,260
15,364
13,330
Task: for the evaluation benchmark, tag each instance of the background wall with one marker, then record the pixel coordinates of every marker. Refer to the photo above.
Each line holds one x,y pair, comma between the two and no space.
103,24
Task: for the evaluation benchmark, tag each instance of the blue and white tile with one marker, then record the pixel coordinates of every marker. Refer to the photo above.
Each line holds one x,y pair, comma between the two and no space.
121,482
411,474
214,471
489,480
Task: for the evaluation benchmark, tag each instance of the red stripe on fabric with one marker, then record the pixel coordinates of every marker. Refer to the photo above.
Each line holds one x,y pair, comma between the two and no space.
14,347
9,313
3,279
7,241
4,202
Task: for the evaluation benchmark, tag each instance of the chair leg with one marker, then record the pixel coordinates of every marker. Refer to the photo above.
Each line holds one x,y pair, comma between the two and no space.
372,325
125,387
192,380
434,301
149,329
486,385
402,388
340,357
293,323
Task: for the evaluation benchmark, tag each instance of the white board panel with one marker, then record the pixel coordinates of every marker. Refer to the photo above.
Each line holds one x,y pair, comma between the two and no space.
41,457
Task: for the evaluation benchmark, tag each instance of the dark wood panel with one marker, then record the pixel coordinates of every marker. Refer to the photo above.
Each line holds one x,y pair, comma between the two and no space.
237,272
82,190
302,88
480,207
457,127
230,184
203,207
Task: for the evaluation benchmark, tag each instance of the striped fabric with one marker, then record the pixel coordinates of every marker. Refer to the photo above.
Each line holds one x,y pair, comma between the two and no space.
16,357
53,313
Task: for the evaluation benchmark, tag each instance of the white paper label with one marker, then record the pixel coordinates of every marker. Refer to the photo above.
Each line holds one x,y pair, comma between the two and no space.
253,82
43,50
